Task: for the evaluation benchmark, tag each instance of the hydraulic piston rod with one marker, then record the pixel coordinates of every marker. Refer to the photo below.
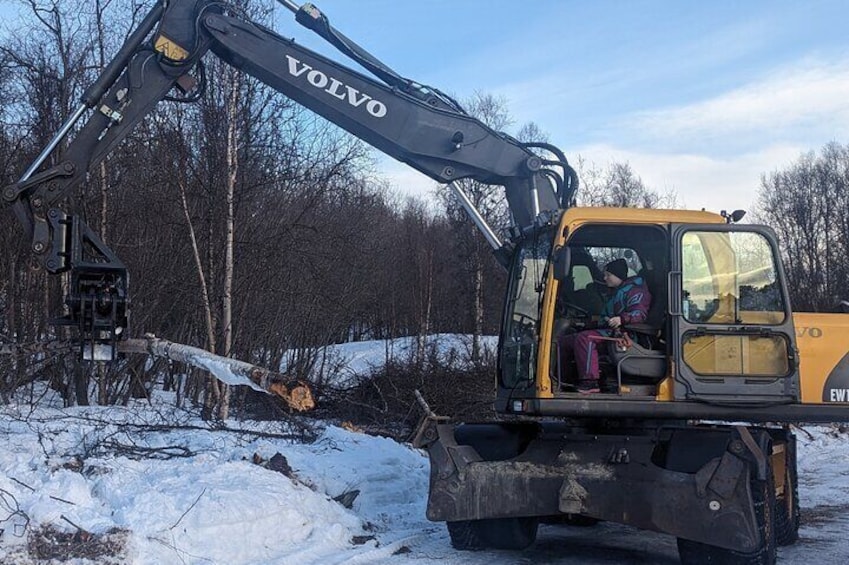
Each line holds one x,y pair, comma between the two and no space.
476,217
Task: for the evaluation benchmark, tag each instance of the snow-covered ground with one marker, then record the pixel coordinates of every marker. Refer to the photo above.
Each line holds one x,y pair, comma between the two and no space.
175,490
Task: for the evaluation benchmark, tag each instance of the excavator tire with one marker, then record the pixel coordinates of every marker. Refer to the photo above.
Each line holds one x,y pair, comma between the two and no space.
787,507
763,494
493,533
464,535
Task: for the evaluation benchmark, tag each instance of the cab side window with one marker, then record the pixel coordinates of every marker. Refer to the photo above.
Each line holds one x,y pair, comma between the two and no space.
581,276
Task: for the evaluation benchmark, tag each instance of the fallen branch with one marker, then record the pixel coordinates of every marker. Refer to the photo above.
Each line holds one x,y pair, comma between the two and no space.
22,484
167,428
15,517
141,452
63,517
189,509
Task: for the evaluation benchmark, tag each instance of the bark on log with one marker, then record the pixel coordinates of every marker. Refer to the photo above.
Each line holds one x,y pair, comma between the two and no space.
296,394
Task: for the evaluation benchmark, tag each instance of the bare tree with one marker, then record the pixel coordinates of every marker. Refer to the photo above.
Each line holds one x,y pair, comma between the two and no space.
806,204
617,185
49,63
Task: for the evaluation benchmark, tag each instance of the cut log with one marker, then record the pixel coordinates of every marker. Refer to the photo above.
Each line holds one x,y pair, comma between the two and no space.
297,394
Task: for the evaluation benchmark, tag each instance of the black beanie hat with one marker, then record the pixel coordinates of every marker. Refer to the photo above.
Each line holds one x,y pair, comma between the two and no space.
618,267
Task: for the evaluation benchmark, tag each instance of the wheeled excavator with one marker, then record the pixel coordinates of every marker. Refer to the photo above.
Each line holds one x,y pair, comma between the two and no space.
687,437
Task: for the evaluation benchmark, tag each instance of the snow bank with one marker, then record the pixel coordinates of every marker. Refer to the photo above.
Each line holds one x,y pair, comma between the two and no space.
195,495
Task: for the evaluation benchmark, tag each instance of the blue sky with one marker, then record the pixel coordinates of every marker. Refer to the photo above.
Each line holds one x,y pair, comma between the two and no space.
700,97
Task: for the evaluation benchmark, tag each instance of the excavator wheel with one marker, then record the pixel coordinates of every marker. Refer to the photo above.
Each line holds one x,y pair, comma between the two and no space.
763,494
787,507
493,533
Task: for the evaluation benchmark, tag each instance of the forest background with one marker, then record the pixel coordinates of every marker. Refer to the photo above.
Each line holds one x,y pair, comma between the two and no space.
254,229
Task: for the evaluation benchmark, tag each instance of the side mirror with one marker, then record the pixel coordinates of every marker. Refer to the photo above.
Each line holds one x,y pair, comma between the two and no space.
562,262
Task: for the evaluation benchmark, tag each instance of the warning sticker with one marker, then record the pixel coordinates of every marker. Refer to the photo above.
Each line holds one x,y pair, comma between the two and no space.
170,49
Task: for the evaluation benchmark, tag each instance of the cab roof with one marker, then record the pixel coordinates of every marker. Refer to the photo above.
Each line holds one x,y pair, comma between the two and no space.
581,215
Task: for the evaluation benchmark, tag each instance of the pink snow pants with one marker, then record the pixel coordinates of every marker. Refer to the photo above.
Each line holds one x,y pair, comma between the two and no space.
583,348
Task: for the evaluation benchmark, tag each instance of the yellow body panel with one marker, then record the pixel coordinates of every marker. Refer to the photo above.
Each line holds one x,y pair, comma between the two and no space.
544,389
575,217
823,342
736,355
543,379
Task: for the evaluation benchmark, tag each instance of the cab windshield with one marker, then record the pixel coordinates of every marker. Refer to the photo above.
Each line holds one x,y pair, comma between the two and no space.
520,337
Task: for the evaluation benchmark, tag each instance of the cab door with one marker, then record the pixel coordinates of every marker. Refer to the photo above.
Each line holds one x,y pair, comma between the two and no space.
733,339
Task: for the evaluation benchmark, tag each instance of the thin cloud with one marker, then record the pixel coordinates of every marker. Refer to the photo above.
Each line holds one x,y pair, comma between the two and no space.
700,181
800,101
408,181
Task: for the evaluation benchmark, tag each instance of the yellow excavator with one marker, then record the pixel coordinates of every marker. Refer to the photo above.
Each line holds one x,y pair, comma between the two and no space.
688,433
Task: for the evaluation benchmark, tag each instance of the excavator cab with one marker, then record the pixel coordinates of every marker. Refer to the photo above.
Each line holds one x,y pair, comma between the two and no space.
718,330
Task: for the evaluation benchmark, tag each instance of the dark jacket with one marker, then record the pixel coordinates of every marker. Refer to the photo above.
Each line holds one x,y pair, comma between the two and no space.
630,301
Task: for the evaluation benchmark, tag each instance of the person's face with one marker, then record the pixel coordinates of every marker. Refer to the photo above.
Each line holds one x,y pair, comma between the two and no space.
611,280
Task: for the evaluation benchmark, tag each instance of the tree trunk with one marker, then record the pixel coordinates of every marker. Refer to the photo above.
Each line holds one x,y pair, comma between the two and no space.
212,392
102,373
232,173
426,302
478,299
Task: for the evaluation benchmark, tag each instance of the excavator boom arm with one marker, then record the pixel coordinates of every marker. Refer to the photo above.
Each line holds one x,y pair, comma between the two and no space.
416,125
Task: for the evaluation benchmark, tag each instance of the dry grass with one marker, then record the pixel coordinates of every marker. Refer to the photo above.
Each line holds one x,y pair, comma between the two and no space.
48,544
385,403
